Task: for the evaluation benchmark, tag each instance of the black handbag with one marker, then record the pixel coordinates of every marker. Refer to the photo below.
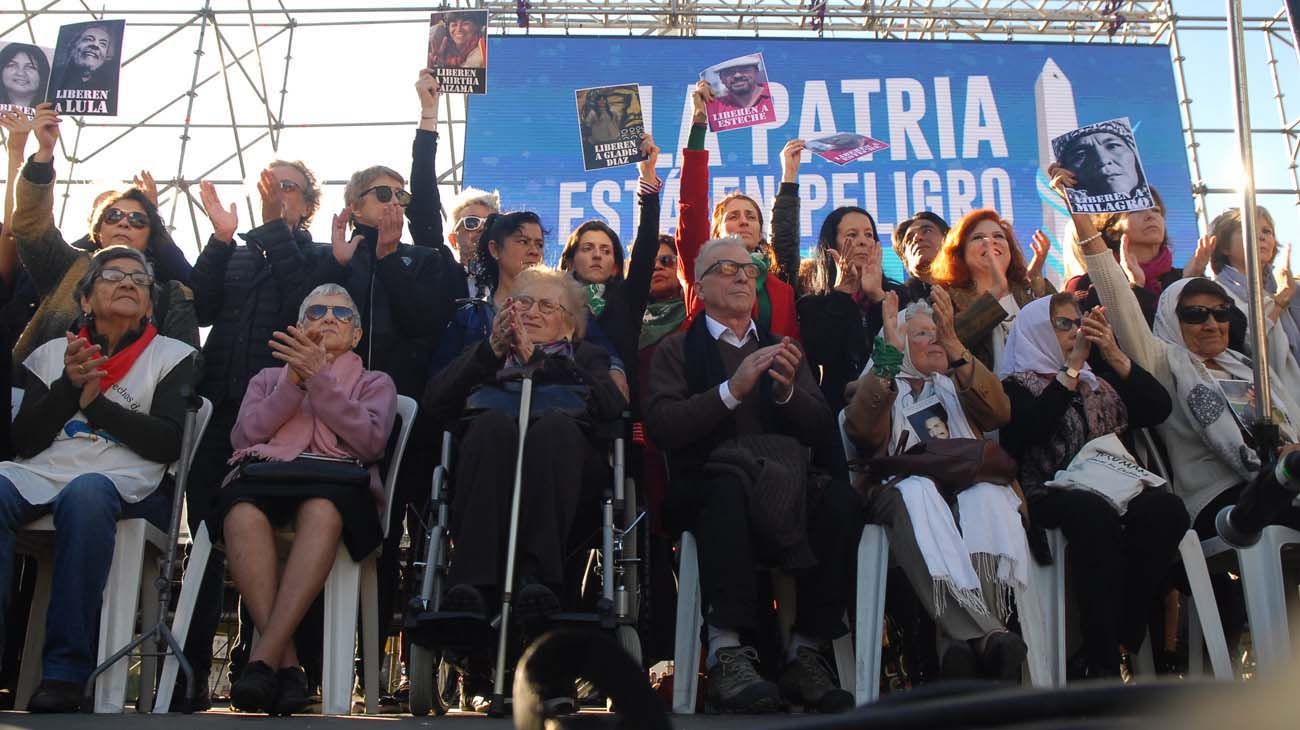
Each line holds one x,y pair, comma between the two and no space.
567,399
307,468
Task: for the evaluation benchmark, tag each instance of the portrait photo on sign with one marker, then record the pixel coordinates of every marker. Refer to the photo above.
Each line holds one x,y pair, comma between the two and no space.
845,147
458,50
610,125
927,420
741,97
87,61
24,76
1106,166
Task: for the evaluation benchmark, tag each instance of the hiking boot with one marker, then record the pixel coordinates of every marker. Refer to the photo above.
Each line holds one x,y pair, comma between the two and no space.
809,681
735,685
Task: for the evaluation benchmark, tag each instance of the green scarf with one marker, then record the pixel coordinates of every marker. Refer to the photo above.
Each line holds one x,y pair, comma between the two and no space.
660,320
595,298
760,288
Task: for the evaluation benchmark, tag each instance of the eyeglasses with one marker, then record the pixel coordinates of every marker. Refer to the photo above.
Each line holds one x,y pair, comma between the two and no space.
1199,314
727,267
289,186
135,218
1066,324
668,261
385,193
340,312
545,306
139,278
469,223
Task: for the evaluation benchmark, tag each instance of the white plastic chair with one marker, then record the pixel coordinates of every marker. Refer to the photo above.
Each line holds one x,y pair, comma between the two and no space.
1265,588
130,586
349,583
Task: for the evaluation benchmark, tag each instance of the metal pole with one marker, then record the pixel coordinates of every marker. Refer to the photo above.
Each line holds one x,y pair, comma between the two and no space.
497,707
1241,104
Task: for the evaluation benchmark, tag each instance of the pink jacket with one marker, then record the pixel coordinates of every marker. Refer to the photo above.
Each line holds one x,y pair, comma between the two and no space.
362,424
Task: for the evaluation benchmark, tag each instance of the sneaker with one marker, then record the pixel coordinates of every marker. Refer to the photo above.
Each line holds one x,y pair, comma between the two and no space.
292,697
464,598
809,681
735,686
256,688
535,603
1002,656
55,696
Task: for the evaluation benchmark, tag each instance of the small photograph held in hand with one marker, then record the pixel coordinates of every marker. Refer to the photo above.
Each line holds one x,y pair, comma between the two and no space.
610,125
927,420
87,62
24,76
845,147
740,94
458,50
1107,169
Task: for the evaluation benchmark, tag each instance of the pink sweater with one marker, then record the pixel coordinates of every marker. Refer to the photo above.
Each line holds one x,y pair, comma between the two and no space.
362,424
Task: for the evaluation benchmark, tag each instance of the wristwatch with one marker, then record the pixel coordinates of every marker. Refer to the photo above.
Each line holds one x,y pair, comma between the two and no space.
1070,372
954,364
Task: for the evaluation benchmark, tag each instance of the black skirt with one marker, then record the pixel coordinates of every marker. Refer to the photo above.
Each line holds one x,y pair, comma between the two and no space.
279,501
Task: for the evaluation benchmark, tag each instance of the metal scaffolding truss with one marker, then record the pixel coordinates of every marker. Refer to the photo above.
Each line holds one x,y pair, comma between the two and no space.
242,52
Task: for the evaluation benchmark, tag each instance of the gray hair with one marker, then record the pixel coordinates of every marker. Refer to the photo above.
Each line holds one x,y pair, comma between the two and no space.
362,179
470,196
100,261
916,308
706,251
328,290
575,295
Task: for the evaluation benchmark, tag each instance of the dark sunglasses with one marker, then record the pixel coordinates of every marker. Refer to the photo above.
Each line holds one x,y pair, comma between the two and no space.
135,218
668,261
1198,314
385,193
139,278
341,313
727,267
1066,324
469,223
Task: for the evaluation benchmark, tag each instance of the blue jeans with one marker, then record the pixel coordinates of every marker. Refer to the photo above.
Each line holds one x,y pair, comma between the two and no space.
85,512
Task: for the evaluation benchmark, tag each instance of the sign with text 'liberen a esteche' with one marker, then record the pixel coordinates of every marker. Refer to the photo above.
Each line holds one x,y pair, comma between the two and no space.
967,125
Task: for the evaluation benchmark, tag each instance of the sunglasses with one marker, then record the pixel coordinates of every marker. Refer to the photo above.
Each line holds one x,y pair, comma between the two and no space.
139,278
469,223
727,267
1198,314
545,306
668,261
135,218
1066,324
340,312
385,193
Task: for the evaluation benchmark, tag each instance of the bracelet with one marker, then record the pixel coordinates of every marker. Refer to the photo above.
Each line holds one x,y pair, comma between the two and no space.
1090,239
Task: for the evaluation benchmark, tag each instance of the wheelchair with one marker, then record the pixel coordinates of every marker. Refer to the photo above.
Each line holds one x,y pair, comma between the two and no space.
616,564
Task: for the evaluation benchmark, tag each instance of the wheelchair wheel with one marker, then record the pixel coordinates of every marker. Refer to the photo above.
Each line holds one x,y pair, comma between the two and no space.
630,640
425,687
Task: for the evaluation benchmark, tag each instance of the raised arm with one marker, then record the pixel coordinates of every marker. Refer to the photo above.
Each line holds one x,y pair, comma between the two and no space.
785,216
41,247
641,267
18,128
693,203
425,211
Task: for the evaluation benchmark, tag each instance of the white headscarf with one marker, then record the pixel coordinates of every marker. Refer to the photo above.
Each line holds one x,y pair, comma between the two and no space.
1032,346
1199,396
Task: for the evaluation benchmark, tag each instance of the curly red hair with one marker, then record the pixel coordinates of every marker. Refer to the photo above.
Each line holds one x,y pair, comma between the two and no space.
949,268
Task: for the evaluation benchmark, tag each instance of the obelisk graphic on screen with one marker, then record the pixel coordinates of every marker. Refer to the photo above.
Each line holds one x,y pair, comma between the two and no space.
1054,105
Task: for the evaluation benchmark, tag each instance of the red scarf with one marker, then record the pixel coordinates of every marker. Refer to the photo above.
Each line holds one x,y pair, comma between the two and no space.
1157,267
120,363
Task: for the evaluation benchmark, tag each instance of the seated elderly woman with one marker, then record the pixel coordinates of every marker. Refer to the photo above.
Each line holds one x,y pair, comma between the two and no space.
540,326
331,417
101,418
985,272
1121,544
125,218
962,567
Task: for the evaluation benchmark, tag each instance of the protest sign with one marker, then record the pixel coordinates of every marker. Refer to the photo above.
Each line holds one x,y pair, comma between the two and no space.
458,50
87,61
610,125
741,97
845,147
1107,169
24,76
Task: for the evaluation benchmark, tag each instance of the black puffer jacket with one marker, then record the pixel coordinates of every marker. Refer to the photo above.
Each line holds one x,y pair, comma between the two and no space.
246,293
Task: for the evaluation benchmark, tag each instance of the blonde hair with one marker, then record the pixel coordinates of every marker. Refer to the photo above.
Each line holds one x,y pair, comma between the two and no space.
575,297
362,179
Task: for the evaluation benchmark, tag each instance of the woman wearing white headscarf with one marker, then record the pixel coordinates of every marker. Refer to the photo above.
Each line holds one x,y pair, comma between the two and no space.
1057,406
962,566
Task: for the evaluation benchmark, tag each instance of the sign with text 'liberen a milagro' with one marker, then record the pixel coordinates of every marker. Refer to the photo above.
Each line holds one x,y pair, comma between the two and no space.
967,125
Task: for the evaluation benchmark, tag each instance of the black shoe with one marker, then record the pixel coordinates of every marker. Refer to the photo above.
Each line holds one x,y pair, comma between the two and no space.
958,662
53,696
292,696
535,603
202,701
464,598
256,688
1002,656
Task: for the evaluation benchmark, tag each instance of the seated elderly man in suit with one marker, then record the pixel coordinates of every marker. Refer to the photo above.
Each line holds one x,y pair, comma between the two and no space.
737,411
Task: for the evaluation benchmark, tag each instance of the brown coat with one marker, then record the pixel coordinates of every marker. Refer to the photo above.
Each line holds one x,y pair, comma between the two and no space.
977,314
867,417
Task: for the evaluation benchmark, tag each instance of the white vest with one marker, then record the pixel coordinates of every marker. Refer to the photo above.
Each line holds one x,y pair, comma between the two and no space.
77,449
